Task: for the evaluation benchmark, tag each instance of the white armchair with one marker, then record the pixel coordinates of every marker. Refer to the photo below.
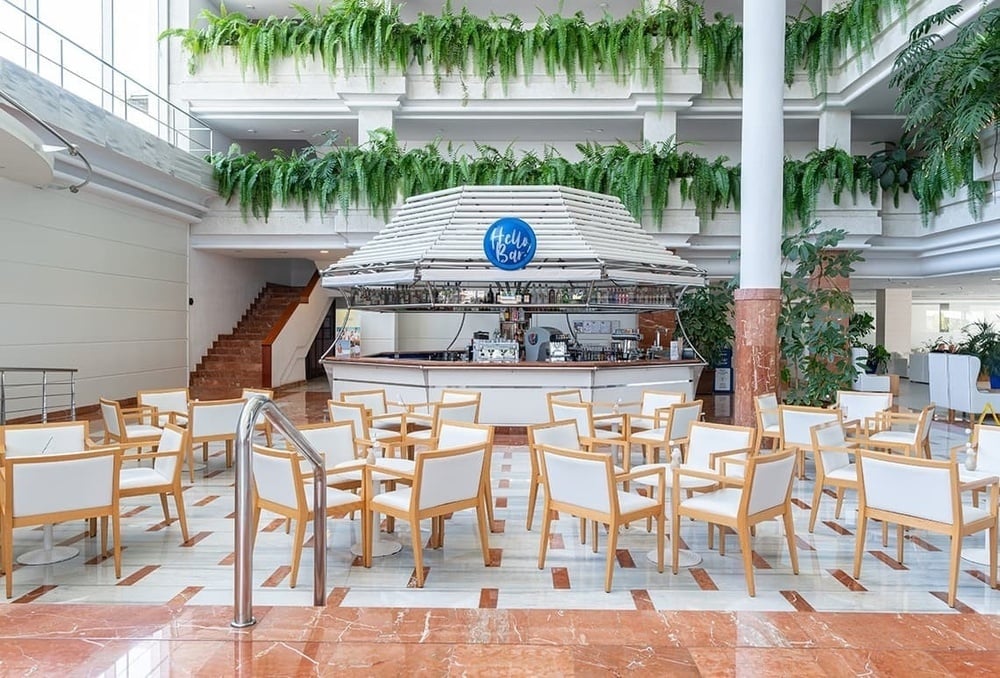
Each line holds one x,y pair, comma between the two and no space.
171,404
834,465
163,477
672,424
18,440
923,494
443,482
49,488
213,421
585,485
796,423
562,434
129,427
763,494
859,408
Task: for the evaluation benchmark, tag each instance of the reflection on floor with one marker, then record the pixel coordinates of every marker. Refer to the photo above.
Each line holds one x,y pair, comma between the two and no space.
468,617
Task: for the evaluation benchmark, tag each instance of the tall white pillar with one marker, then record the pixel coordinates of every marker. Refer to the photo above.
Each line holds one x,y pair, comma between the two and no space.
758,300
762,147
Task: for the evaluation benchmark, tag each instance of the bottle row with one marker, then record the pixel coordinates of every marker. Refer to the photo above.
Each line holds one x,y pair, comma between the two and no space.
454,295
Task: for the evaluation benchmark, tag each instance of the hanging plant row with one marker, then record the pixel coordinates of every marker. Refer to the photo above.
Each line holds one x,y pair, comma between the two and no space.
381,173
368,36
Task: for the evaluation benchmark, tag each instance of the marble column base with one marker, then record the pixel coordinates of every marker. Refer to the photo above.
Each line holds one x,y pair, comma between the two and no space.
755,358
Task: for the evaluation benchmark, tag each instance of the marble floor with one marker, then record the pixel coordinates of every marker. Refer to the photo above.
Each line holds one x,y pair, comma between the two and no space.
170,612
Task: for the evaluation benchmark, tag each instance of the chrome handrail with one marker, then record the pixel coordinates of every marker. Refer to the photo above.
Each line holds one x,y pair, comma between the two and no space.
44,396
161,111
243,566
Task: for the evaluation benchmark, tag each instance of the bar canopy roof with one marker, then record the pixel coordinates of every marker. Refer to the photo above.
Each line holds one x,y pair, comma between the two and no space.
582,237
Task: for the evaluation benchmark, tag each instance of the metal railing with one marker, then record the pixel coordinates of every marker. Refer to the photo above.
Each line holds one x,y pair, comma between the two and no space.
243,584
25,392
78,70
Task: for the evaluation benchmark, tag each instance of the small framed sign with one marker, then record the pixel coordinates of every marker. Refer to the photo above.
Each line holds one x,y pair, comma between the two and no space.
509,243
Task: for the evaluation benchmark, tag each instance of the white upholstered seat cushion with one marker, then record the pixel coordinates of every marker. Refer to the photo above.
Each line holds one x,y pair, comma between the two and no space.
907,437
725,502
848,472
142,476
142,431
629,502
334,497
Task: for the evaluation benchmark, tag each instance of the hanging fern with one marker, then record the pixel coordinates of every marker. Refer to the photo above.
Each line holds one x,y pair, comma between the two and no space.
950,95
381,173
368,36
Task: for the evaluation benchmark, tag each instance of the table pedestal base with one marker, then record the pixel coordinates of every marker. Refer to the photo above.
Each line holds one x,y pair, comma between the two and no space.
685,558
380,547
48,554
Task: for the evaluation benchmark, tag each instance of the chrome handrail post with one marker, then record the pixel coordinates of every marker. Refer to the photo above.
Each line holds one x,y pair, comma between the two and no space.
243,565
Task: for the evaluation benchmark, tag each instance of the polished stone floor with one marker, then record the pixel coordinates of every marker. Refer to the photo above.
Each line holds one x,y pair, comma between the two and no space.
170,612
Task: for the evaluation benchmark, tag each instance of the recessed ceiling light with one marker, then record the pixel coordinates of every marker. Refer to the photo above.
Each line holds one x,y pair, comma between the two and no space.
250,6
324,251
251,131
994,279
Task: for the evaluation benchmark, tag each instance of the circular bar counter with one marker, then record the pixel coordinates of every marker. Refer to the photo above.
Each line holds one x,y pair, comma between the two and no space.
513,393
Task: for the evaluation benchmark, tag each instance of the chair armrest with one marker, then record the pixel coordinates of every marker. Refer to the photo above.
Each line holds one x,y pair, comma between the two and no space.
142,411
713,456
641,473
148,455
979,484
419,418
387,415
368,469
705,475
620,416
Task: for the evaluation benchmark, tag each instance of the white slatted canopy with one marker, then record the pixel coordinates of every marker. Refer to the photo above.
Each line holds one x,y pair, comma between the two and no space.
581,236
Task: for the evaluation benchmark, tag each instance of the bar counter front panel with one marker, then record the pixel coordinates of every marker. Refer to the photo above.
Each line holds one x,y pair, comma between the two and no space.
513,394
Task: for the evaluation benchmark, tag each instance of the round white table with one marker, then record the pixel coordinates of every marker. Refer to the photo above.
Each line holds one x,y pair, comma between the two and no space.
382,544
49,553
685,557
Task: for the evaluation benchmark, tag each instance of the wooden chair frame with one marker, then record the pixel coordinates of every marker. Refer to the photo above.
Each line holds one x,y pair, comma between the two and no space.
155,398
228,436
921,421
744,521
955,529
172,486
414,515
614,518
139,415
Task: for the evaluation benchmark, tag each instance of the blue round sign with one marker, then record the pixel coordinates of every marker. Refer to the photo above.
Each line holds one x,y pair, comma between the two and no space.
509,243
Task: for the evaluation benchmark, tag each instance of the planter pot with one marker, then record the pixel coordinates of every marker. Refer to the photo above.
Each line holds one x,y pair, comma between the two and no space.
706,382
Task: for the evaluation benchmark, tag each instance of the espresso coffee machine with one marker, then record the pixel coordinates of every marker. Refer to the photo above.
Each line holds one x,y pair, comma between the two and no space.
545,344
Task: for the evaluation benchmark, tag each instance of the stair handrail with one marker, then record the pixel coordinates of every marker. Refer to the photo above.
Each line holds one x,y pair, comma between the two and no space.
265,346
255,406
44,384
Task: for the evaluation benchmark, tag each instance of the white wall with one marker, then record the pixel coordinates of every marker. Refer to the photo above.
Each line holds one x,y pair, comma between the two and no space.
95,285
289,350
222,288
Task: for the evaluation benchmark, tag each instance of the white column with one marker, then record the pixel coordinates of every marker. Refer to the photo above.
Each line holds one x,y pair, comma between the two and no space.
658,126
893,320
762,148
374,110
835,129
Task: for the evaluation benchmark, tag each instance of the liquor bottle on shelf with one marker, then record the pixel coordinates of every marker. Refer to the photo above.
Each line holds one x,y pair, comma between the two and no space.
490,297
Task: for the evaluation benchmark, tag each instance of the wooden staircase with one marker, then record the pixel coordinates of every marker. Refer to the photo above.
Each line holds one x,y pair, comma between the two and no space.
234,360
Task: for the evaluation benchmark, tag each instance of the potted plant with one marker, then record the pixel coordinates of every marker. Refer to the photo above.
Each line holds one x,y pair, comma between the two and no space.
983,341
878,359
706,315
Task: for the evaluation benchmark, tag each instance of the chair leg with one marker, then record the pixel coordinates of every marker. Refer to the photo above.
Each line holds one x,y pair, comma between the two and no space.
661,519
993,556
583,530
675,536
840,503
953,564
190,460
612,553
484,533
179,503
418,555
8,557
166,509
93,527
859,543
793,552
899,544
885,534
488,492
594,528
546,527
722,539
104,536
532,498
116,530
746,547
817,495
297,541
